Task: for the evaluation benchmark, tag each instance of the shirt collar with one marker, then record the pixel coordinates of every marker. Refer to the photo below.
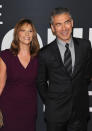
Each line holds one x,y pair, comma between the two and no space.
60,42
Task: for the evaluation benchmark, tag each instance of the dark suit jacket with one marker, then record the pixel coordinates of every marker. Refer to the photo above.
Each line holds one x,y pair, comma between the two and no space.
60,92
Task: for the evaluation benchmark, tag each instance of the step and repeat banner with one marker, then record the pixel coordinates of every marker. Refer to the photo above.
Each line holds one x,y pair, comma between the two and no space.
11,11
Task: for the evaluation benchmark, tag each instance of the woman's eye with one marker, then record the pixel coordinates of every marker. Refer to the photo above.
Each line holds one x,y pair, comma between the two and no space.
22,30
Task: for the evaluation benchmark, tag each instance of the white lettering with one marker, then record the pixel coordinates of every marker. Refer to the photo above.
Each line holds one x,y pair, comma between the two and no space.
78,32
90,35
1,22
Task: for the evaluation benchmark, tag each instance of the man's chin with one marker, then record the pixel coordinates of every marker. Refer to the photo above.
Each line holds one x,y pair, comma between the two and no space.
65,39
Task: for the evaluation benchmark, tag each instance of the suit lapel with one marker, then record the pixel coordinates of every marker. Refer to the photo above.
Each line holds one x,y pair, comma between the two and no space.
57,52
58,55
76,65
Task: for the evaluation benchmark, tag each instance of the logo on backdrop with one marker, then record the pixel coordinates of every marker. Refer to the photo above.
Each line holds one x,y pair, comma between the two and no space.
1,22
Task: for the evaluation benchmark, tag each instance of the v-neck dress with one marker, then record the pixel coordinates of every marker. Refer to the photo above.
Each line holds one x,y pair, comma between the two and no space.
18,100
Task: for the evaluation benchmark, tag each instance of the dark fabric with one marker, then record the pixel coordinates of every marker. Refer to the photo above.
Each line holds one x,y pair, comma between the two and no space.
68,60
75,123
18,101
59,91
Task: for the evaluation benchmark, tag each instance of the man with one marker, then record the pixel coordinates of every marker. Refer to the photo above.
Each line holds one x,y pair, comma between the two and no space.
62,76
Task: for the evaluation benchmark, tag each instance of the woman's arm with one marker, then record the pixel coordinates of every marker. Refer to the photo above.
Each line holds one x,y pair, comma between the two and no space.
2,75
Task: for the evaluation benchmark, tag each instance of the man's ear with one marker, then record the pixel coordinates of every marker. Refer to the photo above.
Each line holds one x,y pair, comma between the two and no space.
72,22
52,28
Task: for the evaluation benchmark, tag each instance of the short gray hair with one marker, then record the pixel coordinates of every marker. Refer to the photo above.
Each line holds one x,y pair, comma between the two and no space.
58,11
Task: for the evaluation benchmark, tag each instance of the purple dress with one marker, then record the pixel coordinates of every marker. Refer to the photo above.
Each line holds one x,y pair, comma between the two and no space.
18,100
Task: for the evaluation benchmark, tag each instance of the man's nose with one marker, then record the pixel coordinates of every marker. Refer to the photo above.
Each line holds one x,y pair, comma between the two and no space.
63,26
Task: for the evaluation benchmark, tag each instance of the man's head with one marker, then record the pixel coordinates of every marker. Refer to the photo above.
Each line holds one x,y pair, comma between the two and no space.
61,23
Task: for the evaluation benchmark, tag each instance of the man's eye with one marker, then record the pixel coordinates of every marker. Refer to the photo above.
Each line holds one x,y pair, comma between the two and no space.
58,24
67,22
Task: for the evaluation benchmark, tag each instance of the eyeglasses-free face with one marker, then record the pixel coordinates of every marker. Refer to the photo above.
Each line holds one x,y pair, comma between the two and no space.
62,26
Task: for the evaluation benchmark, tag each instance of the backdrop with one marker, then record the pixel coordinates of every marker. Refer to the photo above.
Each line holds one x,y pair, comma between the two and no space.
39,11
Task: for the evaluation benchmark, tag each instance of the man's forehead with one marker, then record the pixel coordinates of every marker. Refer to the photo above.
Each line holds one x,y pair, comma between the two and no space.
62,17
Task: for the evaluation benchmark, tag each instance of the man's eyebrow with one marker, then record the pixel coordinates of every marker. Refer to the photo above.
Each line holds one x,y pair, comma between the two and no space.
63,22
68,20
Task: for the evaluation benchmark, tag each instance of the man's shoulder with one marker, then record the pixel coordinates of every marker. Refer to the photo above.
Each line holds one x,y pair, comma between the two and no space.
48,47
82,41
48,50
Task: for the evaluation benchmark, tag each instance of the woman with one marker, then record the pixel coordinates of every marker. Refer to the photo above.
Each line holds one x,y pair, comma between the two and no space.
18,71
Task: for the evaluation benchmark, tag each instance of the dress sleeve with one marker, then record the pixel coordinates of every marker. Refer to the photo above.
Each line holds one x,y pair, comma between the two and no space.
4,55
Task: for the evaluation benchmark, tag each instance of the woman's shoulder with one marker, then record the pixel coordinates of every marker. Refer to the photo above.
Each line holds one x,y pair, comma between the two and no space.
5,52
5,55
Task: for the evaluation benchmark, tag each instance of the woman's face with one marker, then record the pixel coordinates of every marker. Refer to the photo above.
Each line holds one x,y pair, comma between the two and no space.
25,34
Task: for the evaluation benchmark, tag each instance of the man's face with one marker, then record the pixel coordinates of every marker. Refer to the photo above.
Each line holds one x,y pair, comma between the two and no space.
62,26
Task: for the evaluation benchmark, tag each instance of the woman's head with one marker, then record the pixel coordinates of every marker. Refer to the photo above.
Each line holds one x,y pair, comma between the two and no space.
25,32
